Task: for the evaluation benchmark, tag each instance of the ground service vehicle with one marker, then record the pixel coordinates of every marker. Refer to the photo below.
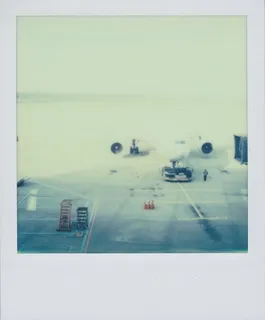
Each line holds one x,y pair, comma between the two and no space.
178,173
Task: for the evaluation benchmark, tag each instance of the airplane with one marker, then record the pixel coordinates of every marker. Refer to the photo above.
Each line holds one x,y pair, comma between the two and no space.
175,150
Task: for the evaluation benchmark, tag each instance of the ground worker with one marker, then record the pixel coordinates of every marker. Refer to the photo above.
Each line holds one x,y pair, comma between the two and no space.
205,174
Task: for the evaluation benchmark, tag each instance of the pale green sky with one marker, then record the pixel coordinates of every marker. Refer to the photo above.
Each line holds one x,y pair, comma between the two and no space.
179,56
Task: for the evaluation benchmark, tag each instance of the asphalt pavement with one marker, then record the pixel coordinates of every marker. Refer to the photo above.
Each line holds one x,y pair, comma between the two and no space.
199,216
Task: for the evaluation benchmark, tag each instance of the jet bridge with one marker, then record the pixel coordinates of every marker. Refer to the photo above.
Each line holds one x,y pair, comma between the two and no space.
241,148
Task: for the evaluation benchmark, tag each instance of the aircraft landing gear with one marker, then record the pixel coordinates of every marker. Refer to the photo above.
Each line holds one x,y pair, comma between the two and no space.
134,149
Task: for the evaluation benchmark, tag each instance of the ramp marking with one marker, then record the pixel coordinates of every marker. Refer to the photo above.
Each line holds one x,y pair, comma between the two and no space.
23,199
46,233
190,201
32,200
200,202
203,218
174,191
78,195
37,219
88,233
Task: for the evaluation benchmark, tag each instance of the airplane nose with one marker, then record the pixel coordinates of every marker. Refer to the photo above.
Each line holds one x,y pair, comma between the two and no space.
207,148
116,147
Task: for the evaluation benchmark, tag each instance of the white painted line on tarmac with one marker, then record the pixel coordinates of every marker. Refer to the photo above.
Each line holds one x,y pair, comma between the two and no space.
32,200
55,207
78,195
34,192
206,190
174,191
215,218
204,218
45,233
184,202
37,219
23,199
190,201
244,191
87,236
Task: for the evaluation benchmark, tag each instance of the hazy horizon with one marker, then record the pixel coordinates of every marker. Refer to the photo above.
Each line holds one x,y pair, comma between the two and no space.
185,56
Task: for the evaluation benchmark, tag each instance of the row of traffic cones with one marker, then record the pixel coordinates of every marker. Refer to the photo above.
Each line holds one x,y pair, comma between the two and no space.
149,206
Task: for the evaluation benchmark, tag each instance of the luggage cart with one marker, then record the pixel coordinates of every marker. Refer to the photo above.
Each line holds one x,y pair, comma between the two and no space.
65,216
82,218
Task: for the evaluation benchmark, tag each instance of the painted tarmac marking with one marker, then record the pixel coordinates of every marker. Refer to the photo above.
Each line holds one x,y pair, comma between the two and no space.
55,197
88,233
207,190
184,202
50,207
78,195
45,233
32,200
174,191
34,192
42,218
244,193
190,201
37,219
23,199
204,218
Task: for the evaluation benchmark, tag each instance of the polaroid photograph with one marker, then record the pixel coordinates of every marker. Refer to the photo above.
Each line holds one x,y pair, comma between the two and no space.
131,136
132,170
122,146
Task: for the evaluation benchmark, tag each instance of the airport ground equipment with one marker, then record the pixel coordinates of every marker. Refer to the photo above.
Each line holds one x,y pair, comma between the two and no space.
65,216
178,172
241,148
82,218
149,206
134,148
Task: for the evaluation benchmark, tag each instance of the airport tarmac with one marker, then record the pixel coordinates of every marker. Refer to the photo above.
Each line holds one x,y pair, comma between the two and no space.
199,216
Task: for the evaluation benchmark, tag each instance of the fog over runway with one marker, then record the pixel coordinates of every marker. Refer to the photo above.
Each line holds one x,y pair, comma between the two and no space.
61,136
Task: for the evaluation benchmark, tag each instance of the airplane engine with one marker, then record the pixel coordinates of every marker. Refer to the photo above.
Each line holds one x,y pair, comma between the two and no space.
116,147
137,147
206,148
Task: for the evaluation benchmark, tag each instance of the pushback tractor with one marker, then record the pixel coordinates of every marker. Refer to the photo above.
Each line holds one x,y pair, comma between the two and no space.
178,172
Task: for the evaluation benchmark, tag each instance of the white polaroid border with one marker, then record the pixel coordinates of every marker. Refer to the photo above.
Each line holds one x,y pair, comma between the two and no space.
188,286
